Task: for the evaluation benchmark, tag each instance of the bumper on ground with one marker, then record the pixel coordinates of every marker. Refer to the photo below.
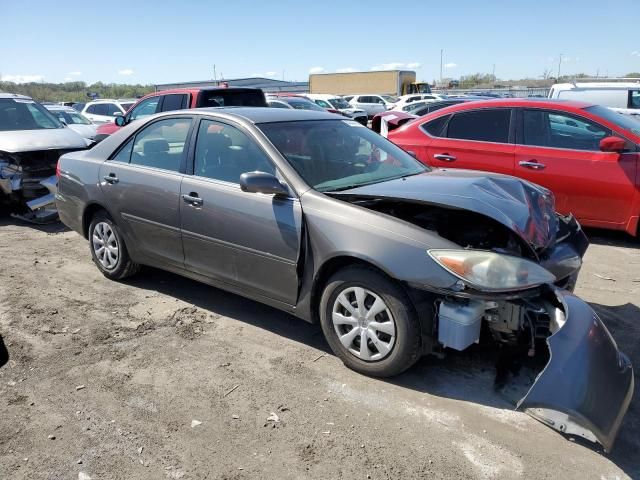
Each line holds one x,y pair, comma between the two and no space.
587,386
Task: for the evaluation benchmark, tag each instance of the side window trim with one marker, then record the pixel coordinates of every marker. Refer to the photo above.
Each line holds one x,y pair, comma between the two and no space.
132,138
520,135
190,166
511,133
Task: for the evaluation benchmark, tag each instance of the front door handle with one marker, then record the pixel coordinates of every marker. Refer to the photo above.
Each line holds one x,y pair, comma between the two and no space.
193,199
111,178
532,165
445,157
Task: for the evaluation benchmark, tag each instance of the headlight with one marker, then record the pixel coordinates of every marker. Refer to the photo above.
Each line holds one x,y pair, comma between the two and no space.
492,271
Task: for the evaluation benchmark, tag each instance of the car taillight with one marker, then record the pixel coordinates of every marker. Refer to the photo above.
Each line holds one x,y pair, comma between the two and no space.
58,170
332,110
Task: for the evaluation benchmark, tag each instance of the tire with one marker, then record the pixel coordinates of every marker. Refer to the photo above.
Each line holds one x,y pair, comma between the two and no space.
114,261
394,349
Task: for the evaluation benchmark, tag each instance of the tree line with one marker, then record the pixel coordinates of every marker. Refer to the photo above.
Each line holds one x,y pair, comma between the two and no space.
74,91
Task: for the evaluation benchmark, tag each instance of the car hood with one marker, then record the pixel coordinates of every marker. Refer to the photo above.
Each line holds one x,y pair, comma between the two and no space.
15,141
525,208
86,131
107,128
352,110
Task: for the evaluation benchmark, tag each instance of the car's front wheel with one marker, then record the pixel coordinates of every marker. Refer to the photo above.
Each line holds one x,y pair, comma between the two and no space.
370,322
108,250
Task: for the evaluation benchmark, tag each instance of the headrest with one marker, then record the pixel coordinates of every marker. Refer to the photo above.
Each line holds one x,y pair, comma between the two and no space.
159,145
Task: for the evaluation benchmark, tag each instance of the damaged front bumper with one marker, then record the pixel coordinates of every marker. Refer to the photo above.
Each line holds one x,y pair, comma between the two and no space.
586,387
33,198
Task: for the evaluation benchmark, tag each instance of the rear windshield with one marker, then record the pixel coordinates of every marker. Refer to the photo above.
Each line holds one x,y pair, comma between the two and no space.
339,103
626,122
70,117
230,98
24,114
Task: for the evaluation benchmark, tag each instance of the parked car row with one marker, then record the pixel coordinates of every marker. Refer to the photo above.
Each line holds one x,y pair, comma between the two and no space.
319,216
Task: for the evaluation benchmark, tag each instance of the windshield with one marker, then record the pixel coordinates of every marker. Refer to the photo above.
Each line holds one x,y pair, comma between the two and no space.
339,103
304,105
25,114
332,155
626,122
390,98
71,117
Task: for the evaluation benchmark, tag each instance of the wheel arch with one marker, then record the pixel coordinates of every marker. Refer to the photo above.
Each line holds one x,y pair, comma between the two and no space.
89,212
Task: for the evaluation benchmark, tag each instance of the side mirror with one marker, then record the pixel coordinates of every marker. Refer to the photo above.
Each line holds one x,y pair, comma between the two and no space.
261,182
120,121
612,144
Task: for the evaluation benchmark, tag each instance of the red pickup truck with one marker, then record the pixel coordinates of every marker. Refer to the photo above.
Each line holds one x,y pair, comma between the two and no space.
181,98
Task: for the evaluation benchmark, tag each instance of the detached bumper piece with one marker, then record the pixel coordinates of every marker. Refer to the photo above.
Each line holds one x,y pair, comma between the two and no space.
586,387
42,209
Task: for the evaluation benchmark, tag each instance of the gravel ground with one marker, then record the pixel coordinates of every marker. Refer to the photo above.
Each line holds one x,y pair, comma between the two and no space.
163,377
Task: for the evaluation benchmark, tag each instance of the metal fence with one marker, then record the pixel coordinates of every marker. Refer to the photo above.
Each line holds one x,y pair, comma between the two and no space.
505,92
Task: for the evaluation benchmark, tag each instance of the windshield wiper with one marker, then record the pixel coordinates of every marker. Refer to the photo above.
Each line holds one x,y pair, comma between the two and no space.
356,185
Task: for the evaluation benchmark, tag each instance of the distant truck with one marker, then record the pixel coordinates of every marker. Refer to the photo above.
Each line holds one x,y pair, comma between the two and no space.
623,97
387,82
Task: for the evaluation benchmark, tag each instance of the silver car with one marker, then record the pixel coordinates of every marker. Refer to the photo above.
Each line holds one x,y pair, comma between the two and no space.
31,141
321,217
74,120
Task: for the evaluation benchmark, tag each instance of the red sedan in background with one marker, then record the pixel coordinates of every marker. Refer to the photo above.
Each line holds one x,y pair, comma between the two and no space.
586,154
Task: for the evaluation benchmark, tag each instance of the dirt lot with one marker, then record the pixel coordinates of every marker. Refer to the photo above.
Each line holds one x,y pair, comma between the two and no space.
122,374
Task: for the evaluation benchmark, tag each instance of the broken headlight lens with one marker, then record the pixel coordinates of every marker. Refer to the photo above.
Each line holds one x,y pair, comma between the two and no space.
492,271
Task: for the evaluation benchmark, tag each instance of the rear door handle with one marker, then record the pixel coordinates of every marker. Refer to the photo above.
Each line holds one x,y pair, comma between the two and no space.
445,157
193,199
111,178
532,165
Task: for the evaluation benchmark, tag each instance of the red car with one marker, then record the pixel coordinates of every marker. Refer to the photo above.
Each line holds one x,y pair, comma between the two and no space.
586,154
181,98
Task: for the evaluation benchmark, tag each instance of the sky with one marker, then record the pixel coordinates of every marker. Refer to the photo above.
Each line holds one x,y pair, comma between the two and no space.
162,42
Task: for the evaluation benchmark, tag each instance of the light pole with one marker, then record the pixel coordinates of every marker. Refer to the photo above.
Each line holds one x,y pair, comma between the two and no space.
441,50
559,64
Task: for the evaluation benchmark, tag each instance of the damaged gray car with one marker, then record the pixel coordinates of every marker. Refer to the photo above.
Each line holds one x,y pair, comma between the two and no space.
31,141
323,218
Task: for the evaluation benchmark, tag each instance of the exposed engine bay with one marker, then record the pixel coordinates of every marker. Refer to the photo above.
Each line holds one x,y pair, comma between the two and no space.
28,184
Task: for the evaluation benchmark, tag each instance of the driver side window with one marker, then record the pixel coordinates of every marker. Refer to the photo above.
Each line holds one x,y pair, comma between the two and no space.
145,108
224,153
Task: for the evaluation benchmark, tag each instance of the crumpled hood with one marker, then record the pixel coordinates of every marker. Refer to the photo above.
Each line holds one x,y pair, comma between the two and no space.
525,208
15,141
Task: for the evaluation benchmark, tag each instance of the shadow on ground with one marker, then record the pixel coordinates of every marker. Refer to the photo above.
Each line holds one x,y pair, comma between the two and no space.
467,376
53,227
612,238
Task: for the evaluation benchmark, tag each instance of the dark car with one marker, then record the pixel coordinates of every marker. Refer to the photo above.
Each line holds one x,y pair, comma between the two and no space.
182,98
319,216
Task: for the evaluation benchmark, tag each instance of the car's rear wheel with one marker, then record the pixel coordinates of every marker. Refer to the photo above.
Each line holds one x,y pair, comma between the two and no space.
108,249
370,322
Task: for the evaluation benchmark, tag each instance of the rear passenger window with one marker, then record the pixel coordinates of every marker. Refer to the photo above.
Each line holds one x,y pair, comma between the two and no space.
162,144
224,153
481,125
174,102
111,109
435,126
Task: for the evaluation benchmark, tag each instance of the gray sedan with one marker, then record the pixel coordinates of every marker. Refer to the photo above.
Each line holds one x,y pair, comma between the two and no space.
323,218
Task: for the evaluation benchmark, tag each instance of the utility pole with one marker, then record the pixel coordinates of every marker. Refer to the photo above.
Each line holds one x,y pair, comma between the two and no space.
559,64
441,50
214,72
493,74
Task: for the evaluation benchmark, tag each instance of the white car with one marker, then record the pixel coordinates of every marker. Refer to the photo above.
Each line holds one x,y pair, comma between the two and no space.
623,97
336,104
106,110
405,100
373,104
74,120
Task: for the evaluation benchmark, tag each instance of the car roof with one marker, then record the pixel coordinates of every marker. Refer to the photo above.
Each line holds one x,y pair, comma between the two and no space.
596,85
15,95
54,106
264,114
517,102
